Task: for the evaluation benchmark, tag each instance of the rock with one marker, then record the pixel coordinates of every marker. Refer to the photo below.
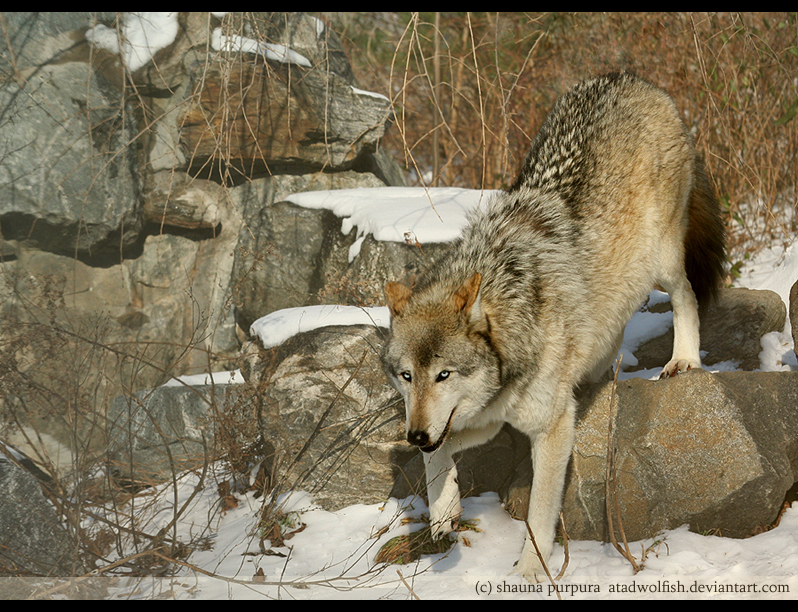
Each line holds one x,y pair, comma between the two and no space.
71,185
334,429
286,255
715,451
33,540
731,330
381,261
334,426
305,34
260,117
158,433
34,39
794,315
174,199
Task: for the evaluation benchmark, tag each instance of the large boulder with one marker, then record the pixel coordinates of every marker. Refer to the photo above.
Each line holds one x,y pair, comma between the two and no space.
715,451
286,254
332,425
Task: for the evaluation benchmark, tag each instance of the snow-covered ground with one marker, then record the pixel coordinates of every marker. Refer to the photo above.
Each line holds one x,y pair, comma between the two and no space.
332,554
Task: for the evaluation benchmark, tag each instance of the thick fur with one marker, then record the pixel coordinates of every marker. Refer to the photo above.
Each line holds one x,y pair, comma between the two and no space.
534,296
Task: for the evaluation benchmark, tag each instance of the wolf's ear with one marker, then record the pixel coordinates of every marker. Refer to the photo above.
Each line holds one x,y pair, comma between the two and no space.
468,300
397,295
467,294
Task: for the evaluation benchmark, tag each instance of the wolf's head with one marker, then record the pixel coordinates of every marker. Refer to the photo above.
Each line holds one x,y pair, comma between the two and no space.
440,357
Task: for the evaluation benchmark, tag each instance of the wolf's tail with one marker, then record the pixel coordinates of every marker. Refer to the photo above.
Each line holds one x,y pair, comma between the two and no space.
705,241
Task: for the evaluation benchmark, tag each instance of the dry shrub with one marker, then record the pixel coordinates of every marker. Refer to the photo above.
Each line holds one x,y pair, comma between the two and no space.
471,89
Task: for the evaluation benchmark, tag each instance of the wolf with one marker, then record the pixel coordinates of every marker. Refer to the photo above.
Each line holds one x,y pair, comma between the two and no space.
532,299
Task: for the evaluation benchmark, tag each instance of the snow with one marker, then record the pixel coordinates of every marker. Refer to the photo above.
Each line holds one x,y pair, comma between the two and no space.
242,44
277,327
142,35
775,269
397,214
208,378
331,555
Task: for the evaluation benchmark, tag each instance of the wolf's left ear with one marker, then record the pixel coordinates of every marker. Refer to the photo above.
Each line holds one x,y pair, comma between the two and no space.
468,301
397,294
468,293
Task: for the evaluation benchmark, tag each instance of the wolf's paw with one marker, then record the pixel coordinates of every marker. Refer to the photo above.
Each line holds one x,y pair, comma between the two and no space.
530,567
442,529
679,366
443,522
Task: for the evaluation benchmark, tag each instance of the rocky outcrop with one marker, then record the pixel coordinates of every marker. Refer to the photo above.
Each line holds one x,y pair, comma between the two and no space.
142,222
70,182
140,201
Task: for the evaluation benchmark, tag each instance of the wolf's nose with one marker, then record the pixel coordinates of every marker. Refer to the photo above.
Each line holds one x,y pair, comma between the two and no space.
418,438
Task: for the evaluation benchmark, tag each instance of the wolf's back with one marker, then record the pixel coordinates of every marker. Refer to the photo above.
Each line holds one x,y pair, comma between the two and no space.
584,146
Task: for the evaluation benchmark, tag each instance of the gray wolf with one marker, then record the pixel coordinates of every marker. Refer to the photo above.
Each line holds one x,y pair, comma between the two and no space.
532,299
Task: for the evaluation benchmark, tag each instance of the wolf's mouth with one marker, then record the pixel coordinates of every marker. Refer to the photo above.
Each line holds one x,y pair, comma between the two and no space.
433,447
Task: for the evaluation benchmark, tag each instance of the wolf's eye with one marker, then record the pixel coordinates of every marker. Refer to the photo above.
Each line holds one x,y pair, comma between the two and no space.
442,376
406,376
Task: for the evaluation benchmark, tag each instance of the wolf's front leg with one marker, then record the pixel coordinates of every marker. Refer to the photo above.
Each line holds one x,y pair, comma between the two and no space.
442,486
443,492
551,452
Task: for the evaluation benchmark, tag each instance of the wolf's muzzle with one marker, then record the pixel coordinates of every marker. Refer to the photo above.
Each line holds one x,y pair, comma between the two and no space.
420,438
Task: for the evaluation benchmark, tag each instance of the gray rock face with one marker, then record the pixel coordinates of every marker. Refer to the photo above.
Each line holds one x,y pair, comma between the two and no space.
33,39
69,183
103,225
33,541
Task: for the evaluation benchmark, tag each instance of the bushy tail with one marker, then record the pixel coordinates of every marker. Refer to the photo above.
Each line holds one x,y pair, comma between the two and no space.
705,242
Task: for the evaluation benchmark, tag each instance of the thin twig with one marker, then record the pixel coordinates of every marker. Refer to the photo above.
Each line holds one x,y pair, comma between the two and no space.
610,483
407,586
567,558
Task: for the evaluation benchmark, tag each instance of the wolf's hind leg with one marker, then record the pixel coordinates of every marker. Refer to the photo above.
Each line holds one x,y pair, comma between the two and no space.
685,327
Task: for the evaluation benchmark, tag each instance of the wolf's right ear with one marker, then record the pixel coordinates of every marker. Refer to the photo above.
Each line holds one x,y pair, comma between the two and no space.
397,295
